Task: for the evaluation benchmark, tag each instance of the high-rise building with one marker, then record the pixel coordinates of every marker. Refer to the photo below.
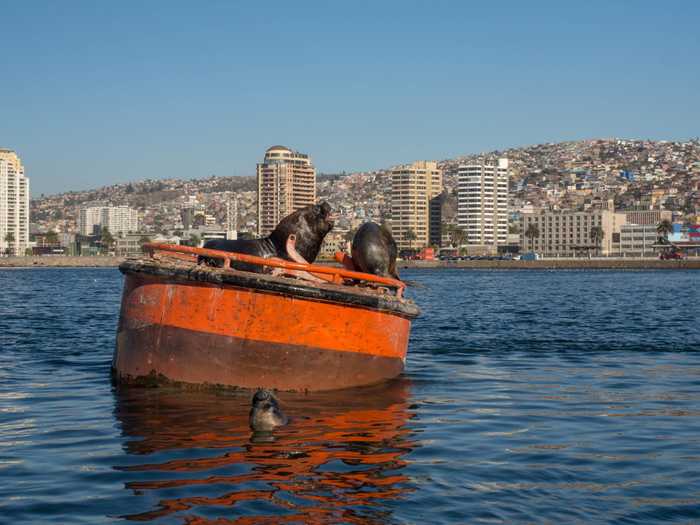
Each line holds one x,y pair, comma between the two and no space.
14,205
117,219
286,182
416,204
120,219
88,218
482,202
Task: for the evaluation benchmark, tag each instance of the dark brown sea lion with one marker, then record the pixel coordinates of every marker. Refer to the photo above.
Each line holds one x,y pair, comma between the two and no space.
298,237
265,414
374,250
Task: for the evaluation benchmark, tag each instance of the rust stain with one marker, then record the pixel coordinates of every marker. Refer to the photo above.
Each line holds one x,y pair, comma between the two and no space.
201,333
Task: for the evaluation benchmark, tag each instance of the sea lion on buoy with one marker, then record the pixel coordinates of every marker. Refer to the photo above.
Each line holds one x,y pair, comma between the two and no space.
297,237
265,414
374,250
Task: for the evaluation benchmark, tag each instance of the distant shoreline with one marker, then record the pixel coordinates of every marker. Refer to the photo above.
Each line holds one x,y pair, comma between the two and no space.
60,261
561,264
542,264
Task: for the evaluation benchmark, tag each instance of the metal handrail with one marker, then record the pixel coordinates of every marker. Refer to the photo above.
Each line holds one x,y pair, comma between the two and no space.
337,274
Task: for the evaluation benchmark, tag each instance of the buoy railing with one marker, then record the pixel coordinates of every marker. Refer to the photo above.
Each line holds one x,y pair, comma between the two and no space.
333,274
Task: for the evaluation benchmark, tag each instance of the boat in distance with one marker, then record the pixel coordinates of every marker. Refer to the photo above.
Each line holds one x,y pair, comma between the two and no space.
194,324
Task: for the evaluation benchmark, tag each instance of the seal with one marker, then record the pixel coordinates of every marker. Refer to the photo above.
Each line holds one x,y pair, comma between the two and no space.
374,250
265,414
297,237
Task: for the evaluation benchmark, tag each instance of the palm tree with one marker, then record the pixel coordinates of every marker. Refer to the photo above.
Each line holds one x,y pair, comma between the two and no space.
9,239
597,235
532,232
663,229
195,240
51,238
107,239
458,236
410,236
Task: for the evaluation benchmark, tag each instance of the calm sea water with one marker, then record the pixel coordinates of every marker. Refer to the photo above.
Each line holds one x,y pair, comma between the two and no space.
529,397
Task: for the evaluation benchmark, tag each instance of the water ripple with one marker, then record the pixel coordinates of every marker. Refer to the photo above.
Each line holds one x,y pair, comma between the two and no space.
530,397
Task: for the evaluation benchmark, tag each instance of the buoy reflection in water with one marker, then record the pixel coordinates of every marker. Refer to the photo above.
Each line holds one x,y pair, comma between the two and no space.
197,460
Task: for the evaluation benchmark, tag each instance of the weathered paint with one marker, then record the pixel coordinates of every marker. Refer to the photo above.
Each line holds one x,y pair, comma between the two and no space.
204,333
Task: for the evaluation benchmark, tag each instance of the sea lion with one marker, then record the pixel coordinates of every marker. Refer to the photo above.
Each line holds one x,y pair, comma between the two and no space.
374,250
265,414
298,237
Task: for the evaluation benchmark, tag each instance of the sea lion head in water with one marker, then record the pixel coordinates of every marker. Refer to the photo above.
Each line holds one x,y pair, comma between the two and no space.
310,225
374,250
265,414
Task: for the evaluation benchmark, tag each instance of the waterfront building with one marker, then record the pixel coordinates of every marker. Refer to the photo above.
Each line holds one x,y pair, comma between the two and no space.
416,205
117,219
638,239
286,183
482,202
129,245
14,205
647,217
568,233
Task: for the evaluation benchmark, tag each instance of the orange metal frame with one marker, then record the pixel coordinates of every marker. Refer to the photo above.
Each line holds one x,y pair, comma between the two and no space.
336,275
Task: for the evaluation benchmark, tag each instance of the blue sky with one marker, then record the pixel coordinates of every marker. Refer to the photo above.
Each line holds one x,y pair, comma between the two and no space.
95,93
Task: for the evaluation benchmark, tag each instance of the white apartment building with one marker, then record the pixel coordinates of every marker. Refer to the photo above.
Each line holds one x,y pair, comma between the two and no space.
14,205
117,219
120,219
88,219
415,205
482,202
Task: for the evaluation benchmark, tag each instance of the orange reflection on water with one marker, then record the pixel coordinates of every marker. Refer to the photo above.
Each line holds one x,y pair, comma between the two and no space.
339,460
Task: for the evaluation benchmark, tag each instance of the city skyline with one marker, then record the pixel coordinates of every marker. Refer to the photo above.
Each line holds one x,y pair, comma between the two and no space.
486,154
572,175
172,91
621,189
